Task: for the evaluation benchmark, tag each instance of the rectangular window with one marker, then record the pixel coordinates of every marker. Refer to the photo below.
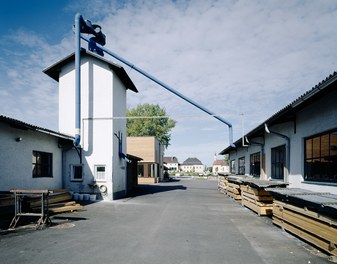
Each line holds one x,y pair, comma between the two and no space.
255,165
100,173
140,170
320,162
76,172
42,164
278,162
233,167
242,166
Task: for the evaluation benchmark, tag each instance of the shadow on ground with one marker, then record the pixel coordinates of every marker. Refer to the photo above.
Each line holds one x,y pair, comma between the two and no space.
146,189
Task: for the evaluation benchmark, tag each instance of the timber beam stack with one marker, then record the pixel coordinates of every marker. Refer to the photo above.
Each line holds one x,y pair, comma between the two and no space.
59,201
222,183
309,215
256,197
258,200
233,187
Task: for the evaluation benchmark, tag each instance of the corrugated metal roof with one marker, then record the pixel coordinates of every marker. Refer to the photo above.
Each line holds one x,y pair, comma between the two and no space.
25,126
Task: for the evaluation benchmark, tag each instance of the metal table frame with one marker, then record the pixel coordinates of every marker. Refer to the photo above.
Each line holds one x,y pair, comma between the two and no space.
43,215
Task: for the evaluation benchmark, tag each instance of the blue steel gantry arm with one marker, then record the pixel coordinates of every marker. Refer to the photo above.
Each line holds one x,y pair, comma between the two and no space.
152,78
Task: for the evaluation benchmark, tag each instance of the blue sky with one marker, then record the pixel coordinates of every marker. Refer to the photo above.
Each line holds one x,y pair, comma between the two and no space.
242,58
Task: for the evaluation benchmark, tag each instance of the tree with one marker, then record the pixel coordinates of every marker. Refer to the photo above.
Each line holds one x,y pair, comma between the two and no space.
149,120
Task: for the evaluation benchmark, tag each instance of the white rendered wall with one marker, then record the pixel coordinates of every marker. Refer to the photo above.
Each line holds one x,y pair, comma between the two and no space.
319,117
119,128
103,96
16,159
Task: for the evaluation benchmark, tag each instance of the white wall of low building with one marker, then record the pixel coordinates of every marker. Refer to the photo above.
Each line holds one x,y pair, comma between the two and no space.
316,118
16,159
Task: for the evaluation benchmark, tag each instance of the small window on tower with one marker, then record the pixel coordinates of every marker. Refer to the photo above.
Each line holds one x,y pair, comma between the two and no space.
100,173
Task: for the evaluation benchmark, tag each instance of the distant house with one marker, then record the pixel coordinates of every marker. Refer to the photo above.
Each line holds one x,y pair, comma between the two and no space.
192,165
298,144
220,166
150,150
31,156
171,163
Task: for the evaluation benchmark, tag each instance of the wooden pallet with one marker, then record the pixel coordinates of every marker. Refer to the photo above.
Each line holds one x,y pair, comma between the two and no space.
316,229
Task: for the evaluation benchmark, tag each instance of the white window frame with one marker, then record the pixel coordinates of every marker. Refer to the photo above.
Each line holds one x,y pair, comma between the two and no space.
98,175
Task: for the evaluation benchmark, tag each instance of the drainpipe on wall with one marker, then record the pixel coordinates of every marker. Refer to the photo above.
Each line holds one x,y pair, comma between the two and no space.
287,149
77,139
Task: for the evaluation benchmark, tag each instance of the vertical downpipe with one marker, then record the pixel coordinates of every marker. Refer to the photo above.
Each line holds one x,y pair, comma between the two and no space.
77,139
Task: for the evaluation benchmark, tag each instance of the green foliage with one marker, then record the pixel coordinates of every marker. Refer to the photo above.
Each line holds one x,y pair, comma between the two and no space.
158,127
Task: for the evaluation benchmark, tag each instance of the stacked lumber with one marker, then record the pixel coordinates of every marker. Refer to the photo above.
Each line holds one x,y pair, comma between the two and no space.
6,199
233,189
222,182
256,197
59,201
308,215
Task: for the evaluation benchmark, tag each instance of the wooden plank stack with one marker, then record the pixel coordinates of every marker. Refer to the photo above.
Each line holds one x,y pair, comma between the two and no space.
6,199
59,201
252,193
222,183
258,200
308,215
233,189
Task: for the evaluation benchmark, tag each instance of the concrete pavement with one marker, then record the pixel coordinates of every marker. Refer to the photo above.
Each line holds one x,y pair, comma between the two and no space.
186,221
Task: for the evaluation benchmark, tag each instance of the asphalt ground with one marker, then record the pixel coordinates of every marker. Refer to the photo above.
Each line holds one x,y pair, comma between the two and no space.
185,221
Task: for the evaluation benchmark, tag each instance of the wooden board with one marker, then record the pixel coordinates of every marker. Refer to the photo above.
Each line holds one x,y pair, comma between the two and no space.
260,209
255,191
306,212
320,243
309,224
266,199
7,200
69,208
233,185
233,190
62,197
234,196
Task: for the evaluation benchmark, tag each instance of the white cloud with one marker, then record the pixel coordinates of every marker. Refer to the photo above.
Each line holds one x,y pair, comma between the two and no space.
232,57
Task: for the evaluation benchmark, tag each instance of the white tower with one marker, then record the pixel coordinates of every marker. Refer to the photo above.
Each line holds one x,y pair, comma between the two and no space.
103,139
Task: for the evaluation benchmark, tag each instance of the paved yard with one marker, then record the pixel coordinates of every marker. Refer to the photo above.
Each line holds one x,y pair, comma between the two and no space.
186,221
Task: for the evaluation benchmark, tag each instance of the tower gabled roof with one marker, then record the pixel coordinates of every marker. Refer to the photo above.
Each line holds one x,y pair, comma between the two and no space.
54,70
